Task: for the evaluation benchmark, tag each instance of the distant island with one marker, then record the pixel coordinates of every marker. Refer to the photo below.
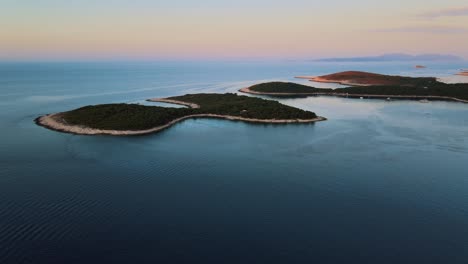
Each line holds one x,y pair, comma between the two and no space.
396,57
134,119
359,78
463,73
369,85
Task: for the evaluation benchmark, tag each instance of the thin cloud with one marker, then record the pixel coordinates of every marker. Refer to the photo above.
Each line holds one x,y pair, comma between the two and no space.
450,12
424,29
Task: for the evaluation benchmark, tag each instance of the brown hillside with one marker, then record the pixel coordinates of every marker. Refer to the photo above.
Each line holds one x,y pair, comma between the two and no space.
359,78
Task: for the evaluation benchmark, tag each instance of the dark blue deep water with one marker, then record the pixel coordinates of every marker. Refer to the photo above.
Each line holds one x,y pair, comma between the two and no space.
379,182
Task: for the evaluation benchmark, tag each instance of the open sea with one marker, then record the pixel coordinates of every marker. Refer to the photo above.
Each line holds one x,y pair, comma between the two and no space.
379,182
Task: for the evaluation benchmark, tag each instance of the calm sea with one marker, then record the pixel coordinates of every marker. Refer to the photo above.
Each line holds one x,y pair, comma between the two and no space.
380,182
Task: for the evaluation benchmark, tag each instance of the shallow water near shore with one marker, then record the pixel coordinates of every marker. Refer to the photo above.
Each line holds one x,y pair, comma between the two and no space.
379,182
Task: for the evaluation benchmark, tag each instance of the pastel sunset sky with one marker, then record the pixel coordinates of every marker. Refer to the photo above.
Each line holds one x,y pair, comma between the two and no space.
145,29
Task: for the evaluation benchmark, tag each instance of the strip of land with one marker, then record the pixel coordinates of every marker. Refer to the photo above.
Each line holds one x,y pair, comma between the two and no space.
359,78
358,95
131,119
250,91
408,88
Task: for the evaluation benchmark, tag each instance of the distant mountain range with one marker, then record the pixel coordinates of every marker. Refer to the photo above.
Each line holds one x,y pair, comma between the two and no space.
397,57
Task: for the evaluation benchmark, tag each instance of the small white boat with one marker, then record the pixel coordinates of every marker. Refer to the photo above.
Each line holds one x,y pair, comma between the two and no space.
389,99
424,101
361,97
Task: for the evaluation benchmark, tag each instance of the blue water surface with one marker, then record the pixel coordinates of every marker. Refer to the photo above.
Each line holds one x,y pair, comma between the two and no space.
379,182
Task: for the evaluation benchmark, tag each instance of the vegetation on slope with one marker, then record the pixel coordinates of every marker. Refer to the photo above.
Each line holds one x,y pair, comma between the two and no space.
123,116
139,117
284,87
244,106
459,91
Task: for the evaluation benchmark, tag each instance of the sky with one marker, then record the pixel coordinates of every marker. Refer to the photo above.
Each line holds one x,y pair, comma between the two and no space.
210,29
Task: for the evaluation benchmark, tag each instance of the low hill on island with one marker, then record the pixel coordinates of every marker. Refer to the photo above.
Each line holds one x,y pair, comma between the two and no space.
133,119
359,78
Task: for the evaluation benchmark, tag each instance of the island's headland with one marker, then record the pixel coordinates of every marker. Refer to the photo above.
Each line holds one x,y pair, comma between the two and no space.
132,119
406,88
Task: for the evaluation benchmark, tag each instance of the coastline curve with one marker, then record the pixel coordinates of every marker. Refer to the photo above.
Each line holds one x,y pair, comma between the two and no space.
57,123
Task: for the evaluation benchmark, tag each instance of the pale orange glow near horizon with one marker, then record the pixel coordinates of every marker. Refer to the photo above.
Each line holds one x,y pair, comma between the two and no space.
292,32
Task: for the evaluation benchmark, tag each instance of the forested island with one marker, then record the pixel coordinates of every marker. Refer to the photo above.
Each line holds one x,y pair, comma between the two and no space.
401,88
134,119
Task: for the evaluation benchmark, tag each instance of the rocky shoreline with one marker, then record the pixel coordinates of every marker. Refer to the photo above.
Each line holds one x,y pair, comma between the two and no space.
57,123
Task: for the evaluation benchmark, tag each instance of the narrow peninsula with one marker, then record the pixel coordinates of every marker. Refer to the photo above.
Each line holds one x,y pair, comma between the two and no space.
370,85
133,119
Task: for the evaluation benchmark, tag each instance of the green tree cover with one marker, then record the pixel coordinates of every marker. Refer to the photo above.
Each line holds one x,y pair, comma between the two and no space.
459,91
139,117
286,87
